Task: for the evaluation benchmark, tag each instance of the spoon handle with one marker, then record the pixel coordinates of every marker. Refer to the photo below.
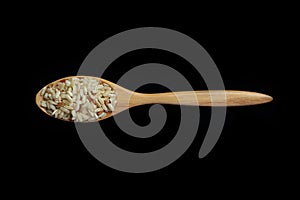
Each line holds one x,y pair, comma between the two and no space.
202,98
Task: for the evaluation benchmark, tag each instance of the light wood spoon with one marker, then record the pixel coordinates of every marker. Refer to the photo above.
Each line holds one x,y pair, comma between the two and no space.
127,99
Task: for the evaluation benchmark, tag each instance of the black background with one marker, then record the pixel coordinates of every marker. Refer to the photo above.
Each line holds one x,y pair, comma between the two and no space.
243,50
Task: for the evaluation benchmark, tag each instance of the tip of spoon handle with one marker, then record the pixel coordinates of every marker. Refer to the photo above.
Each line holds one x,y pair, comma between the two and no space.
240,98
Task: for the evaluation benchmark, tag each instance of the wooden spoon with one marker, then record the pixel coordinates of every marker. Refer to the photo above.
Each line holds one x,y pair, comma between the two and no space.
128,99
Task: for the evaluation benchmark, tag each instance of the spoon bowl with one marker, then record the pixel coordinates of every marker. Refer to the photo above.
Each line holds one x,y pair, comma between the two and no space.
127,98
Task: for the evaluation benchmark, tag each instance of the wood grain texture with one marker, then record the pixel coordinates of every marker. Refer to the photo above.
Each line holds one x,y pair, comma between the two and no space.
127,98
204,98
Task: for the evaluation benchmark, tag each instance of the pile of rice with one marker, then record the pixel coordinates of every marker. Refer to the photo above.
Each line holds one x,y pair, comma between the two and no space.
79,99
